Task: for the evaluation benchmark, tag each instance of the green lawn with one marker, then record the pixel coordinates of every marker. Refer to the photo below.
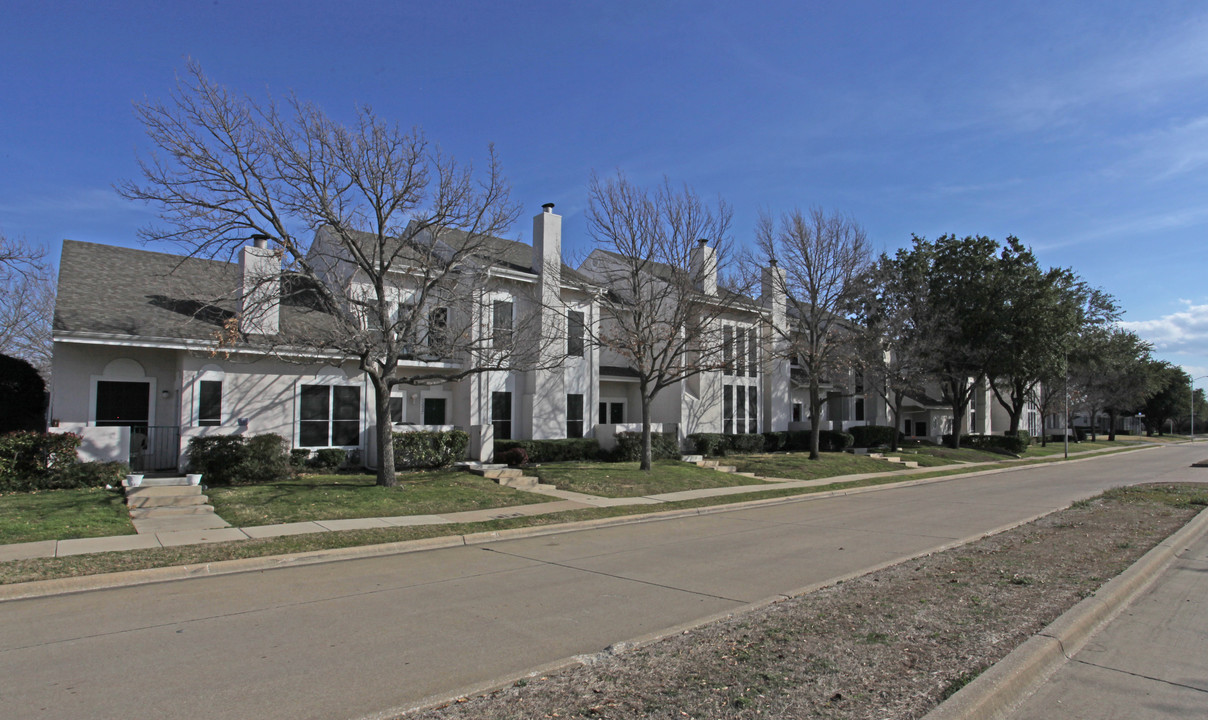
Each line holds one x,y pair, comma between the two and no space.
63,514
798,466
336,497
1058,448
627,480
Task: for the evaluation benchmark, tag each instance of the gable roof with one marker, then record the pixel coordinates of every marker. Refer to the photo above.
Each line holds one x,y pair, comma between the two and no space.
111,290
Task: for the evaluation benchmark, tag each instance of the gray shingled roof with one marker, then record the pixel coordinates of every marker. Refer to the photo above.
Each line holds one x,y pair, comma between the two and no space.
123,291
152,295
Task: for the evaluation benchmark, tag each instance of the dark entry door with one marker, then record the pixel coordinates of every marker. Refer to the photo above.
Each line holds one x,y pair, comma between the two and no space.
127,404
122,403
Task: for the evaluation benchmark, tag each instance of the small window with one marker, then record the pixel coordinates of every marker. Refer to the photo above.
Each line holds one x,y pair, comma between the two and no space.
740,405
396,409
438,327
740,353
859,408
501,414
574,333
752,354
753,399
502,326
209,402
796,412
727,349
574,416
728,409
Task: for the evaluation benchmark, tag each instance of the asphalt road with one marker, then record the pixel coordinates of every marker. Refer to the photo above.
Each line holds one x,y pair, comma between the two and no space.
362,637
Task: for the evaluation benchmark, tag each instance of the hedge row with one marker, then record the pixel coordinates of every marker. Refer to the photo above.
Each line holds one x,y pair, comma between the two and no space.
717,444
236,460
1010,444
866,436
429,449
540,451
629,447
32,461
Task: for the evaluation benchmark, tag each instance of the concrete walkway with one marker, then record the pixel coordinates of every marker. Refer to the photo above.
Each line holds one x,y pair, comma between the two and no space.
177,534
1149,662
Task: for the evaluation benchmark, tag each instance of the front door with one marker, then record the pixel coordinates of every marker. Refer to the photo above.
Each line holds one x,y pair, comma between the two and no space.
126,404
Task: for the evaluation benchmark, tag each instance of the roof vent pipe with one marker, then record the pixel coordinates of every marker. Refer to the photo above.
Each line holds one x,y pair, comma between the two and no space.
260,240
548,207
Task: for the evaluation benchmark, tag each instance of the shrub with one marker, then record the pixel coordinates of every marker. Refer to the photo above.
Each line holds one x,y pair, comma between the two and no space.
1025,437
92,474
512,457
22,396
569,449
708,444
744,444
834,441
234,459
36,461
864,436
775,441
217,458
428,449
327,459
266,459
1006,444
298,457
629,446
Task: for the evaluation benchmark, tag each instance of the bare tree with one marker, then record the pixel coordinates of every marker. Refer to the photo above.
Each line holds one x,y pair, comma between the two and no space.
823,256
385,239
662,305
26,303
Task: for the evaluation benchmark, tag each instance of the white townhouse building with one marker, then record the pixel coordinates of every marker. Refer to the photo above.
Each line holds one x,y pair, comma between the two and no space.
139,369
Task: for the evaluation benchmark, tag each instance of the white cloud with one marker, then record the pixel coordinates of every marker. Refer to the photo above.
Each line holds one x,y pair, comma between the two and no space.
1181,333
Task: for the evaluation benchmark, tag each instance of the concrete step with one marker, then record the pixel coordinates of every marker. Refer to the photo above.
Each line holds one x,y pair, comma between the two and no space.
726,468
707,463
501,474
910,464
692,458
751,475
166,500
163,491
165,482
519,482
168,512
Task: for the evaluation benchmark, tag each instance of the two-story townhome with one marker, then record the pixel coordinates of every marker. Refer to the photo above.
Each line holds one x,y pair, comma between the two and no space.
144,357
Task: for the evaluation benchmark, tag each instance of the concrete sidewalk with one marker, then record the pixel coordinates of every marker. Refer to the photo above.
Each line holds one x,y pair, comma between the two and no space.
1149,662
567,501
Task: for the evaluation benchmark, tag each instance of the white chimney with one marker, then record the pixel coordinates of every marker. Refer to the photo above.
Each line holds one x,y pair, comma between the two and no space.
260,283
547,252
704,267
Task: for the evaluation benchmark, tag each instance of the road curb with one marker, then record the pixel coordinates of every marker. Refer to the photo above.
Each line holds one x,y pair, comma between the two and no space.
1008,682
86,583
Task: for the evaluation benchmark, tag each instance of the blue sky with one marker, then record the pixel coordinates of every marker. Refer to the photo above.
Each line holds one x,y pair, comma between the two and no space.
1081,128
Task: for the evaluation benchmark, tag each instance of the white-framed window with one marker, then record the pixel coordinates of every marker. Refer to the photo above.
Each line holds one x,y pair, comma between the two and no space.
501,414
207,396
574,333
611,411
574,415
502,323
398,406
329,410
